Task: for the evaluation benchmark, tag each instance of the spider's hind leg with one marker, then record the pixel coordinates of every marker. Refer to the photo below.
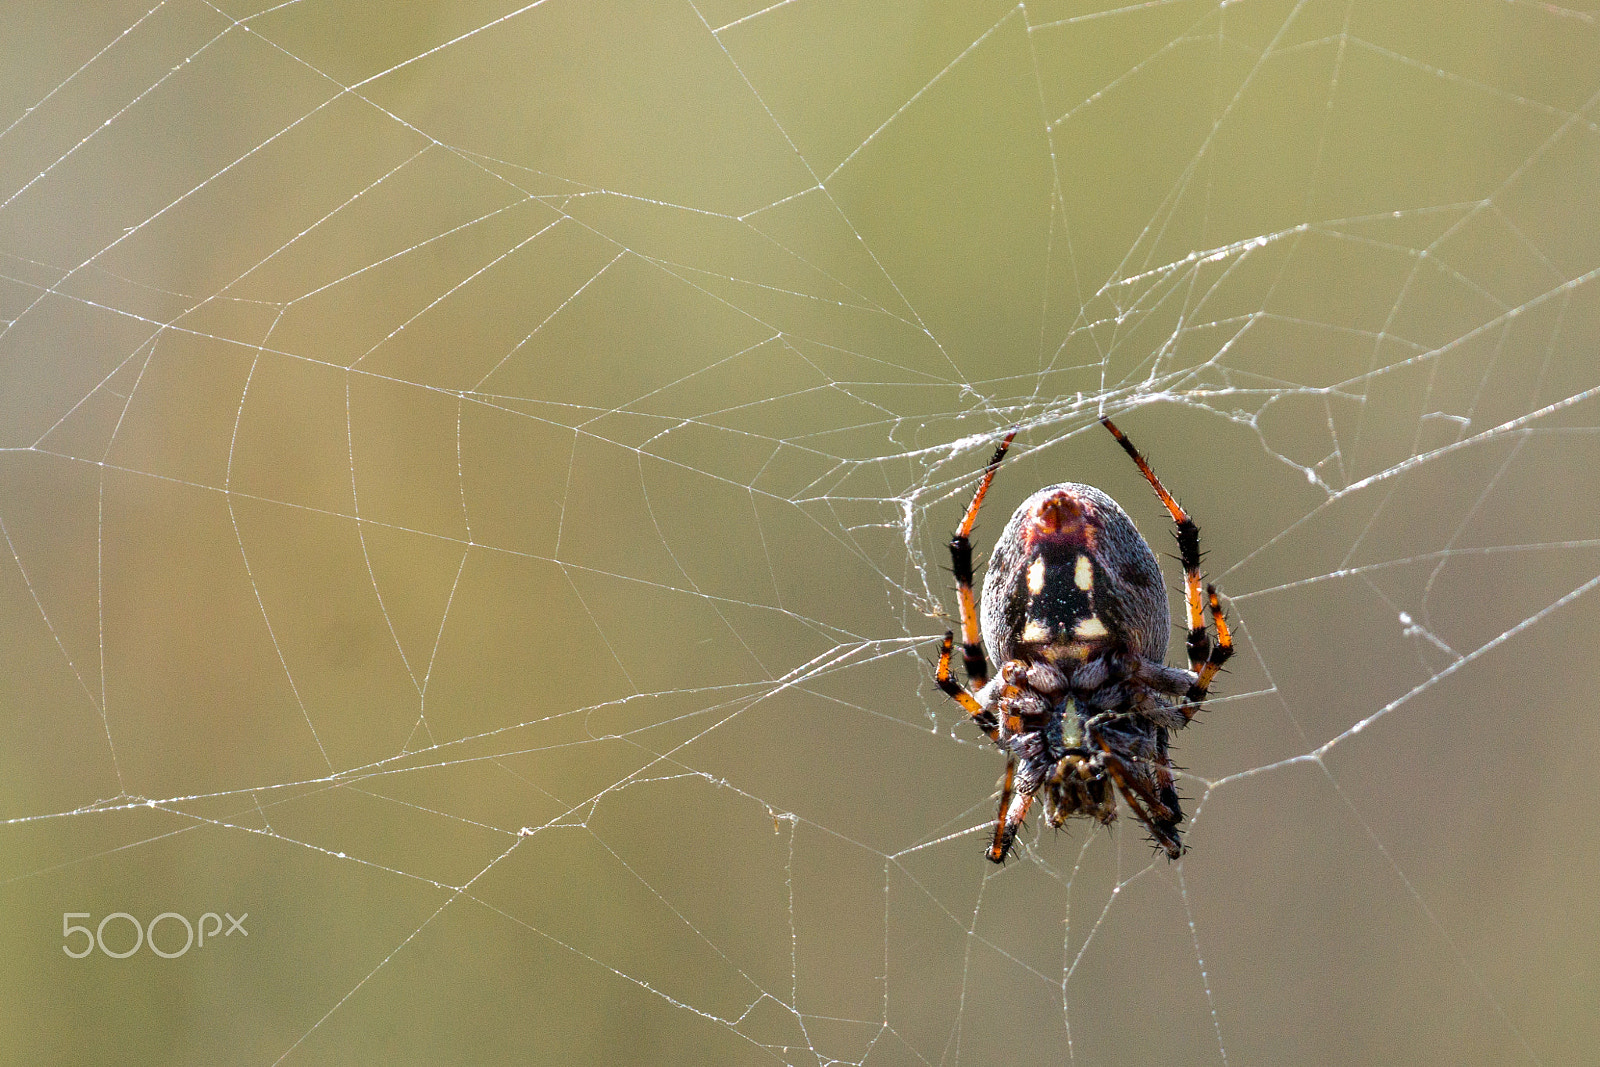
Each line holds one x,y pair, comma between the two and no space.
972,657
1216,655
943,678
1205,656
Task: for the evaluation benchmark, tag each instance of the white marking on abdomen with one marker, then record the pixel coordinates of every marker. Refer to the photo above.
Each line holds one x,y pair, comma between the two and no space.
1036,576
1091,627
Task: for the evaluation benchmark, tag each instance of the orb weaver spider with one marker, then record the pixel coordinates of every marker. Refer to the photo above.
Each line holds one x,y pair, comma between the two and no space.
1074,611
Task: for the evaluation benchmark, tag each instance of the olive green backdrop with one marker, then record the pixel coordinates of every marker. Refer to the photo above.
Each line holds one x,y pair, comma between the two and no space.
474,481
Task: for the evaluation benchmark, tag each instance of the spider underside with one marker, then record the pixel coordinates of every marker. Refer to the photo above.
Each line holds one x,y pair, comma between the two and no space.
1074,611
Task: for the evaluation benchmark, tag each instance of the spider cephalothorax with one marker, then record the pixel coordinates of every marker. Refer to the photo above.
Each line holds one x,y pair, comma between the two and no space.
1075,613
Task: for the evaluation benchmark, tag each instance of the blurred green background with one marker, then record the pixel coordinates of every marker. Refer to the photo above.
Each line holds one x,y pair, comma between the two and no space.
474,480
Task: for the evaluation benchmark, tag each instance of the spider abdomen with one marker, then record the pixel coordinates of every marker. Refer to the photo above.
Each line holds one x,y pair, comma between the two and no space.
1071,574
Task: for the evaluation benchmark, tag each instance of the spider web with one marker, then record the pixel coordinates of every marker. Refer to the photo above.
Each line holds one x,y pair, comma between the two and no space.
474,489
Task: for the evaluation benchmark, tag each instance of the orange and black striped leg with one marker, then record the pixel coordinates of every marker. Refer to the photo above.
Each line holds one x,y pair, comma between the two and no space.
972,657
1217,656
1198,643
1013,809
958,692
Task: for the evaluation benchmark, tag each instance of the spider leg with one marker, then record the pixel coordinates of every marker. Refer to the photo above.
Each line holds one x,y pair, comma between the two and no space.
1198,642
1215,658
1160,814
1205,658
972,657
1163,827
959,693
1166,783
1014,805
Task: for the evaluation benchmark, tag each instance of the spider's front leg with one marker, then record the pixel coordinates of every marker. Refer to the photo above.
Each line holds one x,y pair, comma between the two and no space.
1158,808
1161,820
1004,834
1017,790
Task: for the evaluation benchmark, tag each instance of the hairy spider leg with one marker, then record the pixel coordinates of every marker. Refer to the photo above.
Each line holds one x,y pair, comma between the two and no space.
1198,643
1013,806
972,657
958,692
1013,809
1219,654
1166,781
1160,820
1205,659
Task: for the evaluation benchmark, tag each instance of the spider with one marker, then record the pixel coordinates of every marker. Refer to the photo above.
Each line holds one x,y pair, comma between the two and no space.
1075,613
